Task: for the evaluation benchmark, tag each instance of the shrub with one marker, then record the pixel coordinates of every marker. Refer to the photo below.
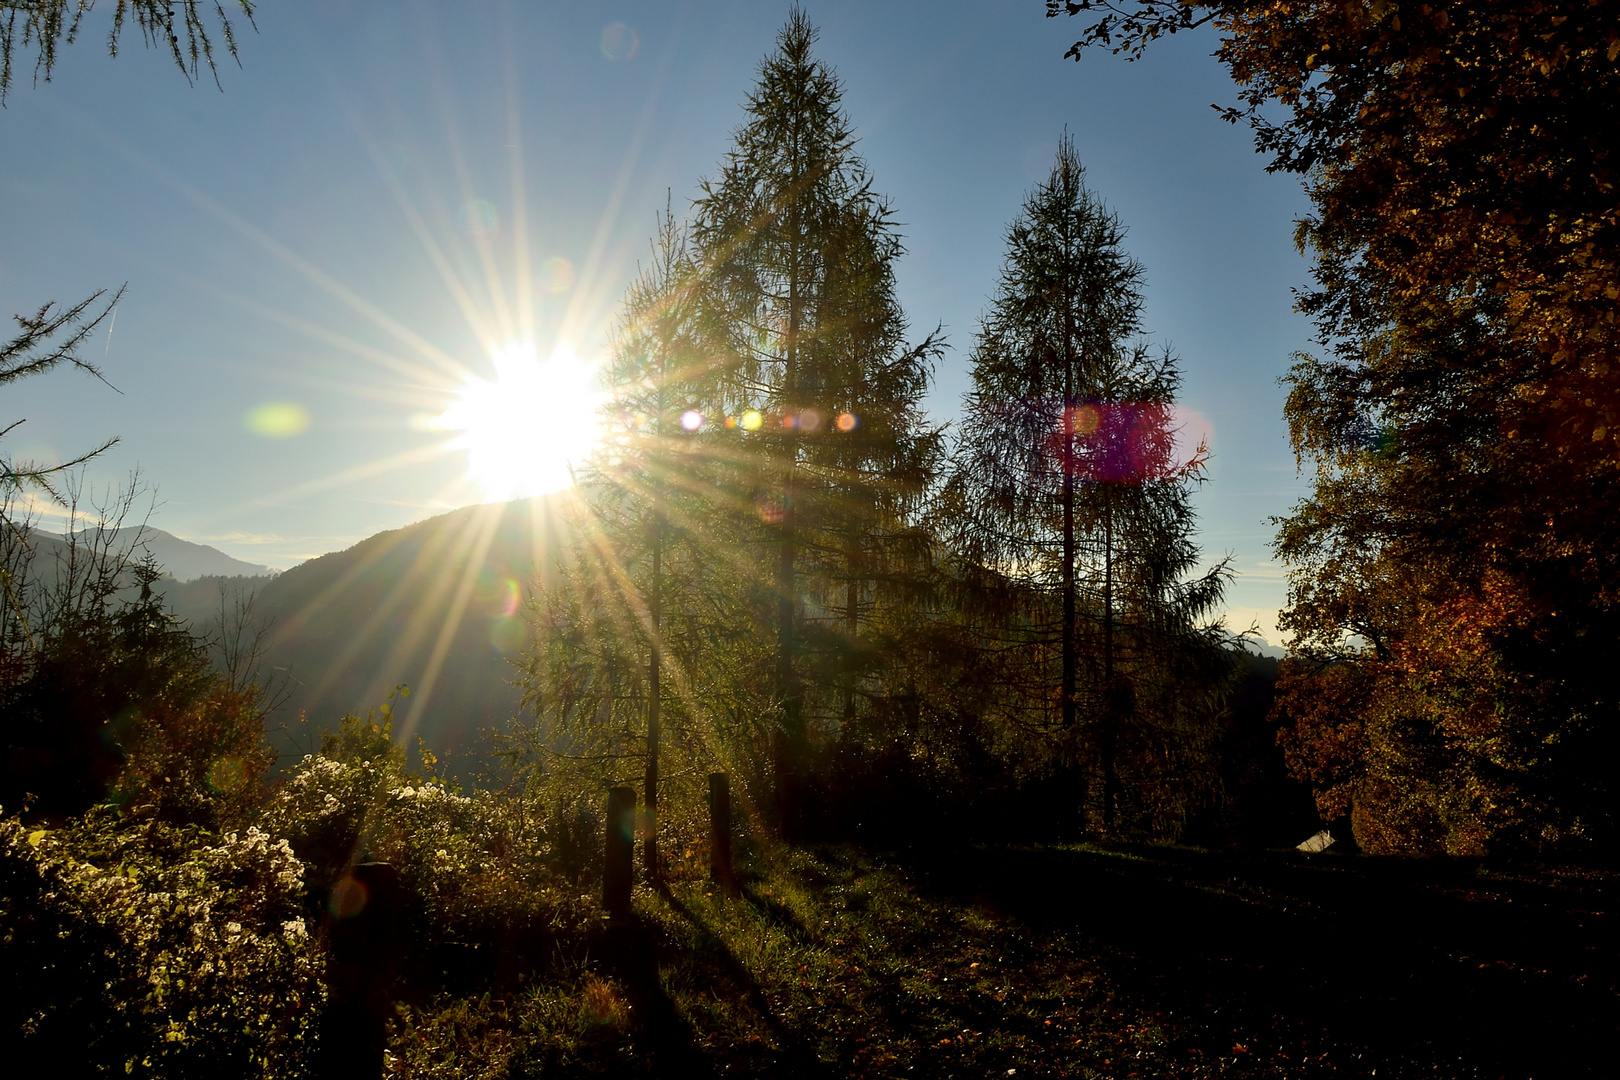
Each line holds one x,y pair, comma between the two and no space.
156,950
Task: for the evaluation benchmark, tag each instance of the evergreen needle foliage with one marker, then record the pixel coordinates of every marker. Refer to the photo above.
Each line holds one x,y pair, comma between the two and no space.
766,484
1066,478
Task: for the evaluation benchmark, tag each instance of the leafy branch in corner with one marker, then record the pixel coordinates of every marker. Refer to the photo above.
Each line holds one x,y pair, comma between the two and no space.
45,25
50,337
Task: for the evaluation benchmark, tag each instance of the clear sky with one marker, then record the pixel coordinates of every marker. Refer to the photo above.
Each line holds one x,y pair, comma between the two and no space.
319,256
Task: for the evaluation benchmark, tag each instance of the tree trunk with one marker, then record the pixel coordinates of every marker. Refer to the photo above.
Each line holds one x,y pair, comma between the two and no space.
789,762
655,605
1110,716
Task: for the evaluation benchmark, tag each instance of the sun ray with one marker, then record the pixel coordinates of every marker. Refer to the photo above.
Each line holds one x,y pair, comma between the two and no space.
306,269
612,572
481,528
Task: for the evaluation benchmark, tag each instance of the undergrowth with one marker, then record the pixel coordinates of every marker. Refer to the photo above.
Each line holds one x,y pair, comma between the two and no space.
829,962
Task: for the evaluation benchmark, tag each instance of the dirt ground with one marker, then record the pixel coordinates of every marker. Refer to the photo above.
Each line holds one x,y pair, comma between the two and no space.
1276,964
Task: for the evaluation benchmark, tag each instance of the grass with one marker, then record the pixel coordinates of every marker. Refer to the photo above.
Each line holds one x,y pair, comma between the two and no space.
1003,963
829,962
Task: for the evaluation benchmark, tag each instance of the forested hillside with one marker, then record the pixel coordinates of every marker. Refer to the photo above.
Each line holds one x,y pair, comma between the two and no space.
436,606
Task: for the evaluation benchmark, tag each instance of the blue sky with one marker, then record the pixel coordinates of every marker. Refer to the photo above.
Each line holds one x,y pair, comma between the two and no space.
316,255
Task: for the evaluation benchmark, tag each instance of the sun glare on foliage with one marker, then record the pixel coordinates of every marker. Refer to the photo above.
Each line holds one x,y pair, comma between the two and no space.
523,429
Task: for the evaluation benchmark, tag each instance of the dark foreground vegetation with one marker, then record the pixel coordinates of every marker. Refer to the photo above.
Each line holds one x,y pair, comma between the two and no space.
1070,961
832,960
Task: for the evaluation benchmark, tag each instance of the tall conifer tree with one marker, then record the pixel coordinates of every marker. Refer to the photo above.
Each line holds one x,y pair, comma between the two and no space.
1065,474
797,255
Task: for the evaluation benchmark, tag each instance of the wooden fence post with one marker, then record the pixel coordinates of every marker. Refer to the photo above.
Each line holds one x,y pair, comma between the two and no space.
720,833
360,923
621,836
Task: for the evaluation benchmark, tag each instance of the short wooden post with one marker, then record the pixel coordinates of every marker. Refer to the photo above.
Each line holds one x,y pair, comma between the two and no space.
789,809
361,932
621,837
720,833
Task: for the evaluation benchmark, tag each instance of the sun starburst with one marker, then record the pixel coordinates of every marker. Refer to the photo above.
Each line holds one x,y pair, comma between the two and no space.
524,430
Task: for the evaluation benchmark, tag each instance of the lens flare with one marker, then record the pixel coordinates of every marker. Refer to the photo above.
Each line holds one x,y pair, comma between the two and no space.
619,42
1129,442
557,275
508,634
226,775
846,421
523,429
772,508
479,217
497,592
347,899
691,420
1083,420
752,420
277,419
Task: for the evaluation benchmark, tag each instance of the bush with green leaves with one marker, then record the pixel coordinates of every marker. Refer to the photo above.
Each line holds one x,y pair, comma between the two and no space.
147,949
486,872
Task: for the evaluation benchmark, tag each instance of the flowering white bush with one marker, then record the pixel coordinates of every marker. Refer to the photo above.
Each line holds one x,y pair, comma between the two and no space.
148,950
466,863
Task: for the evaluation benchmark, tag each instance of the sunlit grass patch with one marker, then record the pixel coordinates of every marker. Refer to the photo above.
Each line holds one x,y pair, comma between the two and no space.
829,959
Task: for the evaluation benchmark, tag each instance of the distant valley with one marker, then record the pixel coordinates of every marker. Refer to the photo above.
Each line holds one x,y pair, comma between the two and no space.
435,606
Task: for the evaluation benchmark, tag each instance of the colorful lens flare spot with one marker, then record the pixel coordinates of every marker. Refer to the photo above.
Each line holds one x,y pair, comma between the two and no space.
226,776
772,508
508,635
557,275
1129,441
478,218
497,594
752,420
847,421
277,419
347,899
691,420
619,42
809,420
1083,420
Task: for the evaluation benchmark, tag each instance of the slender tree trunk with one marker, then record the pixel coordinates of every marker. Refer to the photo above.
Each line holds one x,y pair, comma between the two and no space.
852,620
1069,553
655,653
1110,694
788,763
654,690
1068,634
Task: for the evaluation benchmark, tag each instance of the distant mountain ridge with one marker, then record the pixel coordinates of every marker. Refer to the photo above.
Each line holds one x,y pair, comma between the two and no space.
436,606
182,560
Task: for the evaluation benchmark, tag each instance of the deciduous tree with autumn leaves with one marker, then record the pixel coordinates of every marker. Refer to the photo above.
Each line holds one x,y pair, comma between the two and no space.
1455,571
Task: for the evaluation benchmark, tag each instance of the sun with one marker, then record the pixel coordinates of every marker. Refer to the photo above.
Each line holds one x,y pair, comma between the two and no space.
524,429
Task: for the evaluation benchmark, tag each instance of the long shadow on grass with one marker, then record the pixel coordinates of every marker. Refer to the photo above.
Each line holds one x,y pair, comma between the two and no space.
630,949
800,1056
1395,965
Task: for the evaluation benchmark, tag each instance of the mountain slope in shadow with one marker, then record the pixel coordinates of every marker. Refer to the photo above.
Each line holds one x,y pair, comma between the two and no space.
436,606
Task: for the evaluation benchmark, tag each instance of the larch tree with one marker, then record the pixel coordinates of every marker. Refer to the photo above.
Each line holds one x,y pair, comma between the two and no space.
609,679
796,254
1066,475
181,27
